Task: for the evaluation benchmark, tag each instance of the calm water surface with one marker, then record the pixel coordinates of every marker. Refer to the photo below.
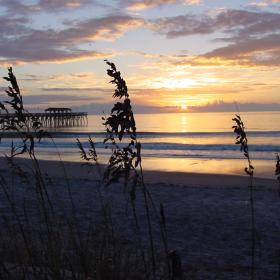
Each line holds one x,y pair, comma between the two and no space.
191,142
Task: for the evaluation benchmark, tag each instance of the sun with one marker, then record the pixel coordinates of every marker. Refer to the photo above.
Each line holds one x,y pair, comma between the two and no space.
184,107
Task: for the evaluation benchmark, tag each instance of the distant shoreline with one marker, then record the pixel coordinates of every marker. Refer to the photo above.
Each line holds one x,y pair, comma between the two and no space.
189,111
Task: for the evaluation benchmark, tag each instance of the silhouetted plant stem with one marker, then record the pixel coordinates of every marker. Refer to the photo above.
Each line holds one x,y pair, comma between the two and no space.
138,233
28,130
253,229
241,139
253,218
161,220
51,248
19,223
127,160
277,171
22,127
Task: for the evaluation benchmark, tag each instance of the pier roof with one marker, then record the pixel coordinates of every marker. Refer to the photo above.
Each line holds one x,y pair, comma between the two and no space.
58,109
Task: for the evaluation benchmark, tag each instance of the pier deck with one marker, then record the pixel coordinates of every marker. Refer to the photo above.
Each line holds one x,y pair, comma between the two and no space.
55,118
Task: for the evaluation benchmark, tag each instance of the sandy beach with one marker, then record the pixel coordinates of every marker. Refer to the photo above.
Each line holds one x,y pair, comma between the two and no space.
207,215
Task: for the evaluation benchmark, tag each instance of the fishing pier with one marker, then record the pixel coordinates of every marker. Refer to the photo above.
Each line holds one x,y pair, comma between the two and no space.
55,117
62,117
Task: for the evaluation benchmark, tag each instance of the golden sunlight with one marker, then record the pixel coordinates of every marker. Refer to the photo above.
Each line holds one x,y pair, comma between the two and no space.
174,83
184,107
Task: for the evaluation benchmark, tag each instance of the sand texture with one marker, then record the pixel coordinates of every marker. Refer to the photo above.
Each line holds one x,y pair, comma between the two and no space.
207,216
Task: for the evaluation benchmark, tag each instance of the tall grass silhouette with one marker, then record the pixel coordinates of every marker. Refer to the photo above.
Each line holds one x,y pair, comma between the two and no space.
125,163
46,239
127,160
277,171
241,139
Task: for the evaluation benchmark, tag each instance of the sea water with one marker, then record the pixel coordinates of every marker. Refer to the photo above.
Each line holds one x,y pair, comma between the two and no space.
188,142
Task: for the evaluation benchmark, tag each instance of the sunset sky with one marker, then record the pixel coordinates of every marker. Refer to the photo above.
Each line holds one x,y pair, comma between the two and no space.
176,55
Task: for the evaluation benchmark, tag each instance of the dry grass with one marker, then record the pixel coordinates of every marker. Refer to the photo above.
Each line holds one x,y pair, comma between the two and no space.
241,139
42,238
45,238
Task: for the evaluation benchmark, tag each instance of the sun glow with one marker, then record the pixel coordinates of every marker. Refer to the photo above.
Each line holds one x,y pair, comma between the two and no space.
174,83
184,107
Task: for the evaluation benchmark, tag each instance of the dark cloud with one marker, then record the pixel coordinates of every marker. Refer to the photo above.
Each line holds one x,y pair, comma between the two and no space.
183,25
14,55
100,108
232,22
252,38
13,26
30,45
18,7
245,23
15,6
220,106
62,4
73,89
260,51
45,99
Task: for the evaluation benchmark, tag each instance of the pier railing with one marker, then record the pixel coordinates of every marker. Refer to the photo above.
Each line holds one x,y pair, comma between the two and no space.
54,119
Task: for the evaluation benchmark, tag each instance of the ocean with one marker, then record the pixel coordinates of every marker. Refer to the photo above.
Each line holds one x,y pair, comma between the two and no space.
188,142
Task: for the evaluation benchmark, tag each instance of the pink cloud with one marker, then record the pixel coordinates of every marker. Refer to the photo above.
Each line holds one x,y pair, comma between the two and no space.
252,38
232,22
146,4
13,6
30,45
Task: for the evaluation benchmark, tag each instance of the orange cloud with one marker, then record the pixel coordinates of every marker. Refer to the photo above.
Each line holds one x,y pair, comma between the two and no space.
146,4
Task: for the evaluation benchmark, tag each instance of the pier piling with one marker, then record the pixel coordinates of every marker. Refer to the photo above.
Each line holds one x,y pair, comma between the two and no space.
55,117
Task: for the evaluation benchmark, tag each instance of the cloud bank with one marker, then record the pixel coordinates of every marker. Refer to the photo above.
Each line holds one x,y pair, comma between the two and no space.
20,43
250,38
